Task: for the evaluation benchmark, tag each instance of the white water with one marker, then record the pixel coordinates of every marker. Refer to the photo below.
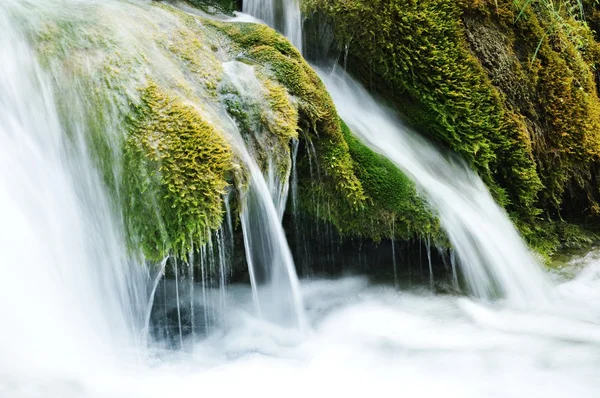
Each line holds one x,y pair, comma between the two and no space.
67,292
493,257
72,305
370,340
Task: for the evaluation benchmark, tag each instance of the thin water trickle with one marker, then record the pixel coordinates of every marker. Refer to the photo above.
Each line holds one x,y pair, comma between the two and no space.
394,264
178,302
431,279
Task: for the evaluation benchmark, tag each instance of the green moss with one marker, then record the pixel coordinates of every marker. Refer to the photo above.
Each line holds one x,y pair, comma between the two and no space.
317,114
548,238
282,119
419,51
174,180
462,72
393,207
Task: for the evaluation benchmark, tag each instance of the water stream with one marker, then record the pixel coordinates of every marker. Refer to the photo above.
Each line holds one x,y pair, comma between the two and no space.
494,259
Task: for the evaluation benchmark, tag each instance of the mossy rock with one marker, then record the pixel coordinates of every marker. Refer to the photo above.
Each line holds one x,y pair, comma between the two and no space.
360,192
317,115
393,211
516,97
176,166
167,98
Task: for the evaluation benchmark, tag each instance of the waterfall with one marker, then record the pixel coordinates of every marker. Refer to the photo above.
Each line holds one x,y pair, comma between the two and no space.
69,295
493,257
83,314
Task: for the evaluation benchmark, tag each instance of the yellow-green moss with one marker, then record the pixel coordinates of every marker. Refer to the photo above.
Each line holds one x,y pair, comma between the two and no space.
393,210
317,114
282,119
175,169
516,97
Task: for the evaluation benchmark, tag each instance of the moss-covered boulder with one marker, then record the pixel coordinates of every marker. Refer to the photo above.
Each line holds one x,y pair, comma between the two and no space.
359,192
508,85
175,169
155,104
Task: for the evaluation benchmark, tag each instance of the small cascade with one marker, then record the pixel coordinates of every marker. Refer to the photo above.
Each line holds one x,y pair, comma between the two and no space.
428,246
494,260
283,15
272,271
394,263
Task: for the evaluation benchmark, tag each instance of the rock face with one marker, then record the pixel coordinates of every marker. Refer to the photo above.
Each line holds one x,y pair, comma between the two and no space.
511,86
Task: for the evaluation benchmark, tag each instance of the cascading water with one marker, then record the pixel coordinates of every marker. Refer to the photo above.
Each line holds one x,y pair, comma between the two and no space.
494,260
68,291
74,301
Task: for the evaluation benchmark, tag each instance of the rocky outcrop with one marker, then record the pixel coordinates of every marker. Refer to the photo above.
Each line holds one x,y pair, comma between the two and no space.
510,86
